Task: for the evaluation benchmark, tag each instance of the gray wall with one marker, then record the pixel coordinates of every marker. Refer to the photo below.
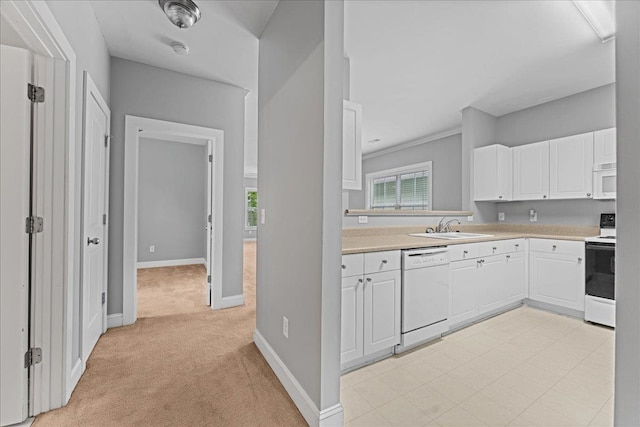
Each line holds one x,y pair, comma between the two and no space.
445,154
172,200
299,159
579,113
253,183
82,30
627,409
146,91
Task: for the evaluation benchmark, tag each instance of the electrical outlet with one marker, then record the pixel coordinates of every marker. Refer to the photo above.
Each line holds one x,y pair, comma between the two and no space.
363,220
533,216
500,216
470,218
152,248
263,216
285,327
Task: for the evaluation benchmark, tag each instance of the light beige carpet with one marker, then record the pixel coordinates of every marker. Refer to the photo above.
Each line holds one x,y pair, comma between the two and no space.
191,369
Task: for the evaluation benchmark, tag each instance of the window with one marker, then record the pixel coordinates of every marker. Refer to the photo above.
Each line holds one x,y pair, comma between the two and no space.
402,188
251,208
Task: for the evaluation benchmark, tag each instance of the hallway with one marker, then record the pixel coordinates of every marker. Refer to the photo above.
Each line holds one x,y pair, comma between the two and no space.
198,368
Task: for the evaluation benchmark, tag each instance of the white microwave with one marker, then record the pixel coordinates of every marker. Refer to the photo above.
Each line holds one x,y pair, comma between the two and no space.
604,181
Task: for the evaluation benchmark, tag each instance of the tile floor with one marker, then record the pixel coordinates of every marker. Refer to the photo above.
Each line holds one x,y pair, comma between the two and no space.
526,367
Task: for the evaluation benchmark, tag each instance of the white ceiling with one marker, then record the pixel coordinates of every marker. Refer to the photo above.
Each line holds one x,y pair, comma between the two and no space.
416,64
223,45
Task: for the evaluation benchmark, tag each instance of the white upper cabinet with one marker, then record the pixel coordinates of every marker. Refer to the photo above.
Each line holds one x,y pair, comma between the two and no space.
531,171
604,149
351,146
571,167
492,173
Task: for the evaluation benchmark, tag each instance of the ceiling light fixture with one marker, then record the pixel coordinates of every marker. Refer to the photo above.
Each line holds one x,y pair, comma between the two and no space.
182,13
180,48
600,14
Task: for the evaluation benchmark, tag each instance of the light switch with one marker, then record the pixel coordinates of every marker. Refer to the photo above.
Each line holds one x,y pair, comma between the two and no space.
500,216
470,218
263,216
152,248
533,216
363,220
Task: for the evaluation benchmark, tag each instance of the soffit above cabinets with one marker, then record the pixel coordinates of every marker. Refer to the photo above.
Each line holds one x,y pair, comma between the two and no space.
416,64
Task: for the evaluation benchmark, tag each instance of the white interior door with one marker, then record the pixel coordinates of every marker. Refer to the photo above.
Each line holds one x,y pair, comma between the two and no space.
95,196
15,72
209,227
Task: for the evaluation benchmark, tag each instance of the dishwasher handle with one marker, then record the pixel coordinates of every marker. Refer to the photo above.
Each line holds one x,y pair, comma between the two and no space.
421,252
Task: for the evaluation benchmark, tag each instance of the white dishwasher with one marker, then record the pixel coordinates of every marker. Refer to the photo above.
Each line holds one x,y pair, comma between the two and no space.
425,295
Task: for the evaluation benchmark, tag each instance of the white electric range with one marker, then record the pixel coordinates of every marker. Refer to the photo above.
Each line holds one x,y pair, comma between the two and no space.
600,268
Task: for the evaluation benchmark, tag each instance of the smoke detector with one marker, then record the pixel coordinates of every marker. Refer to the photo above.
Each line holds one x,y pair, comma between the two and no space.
180,48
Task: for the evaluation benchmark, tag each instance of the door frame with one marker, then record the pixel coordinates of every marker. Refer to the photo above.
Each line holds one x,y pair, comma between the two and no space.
133,127
52,323
91,90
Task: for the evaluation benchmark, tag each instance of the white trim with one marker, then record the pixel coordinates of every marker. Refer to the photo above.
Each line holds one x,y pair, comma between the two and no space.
133,127
53,386
329,417
250,239
232,301
171,263
115,320
412,143
251,175
417,167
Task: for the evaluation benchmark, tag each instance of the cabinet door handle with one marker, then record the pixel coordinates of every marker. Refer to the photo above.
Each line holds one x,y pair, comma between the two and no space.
359,280
517,245
499,197
588,194
384,261
368,279
465,252
508,256
579,259
544,197
344,267
495,248
554,247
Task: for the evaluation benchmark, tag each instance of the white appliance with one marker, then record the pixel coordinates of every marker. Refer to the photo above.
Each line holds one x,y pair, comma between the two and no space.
600,268
604,181
425,296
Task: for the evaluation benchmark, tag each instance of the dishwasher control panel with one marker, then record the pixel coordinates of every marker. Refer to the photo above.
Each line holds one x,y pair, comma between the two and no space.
420,258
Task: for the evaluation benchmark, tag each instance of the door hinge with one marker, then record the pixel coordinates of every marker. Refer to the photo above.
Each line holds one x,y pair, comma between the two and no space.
210,158
104,219
209,218
32,356
104,297
34,224
35,93
107,138
208,279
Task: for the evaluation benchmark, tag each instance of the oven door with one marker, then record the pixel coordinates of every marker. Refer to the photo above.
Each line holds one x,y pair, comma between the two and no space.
600,270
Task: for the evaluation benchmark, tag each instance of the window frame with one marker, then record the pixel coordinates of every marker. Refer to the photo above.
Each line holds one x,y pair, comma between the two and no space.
417,167
248,227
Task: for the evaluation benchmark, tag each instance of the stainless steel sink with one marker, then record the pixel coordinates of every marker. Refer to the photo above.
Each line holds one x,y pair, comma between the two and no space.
451,235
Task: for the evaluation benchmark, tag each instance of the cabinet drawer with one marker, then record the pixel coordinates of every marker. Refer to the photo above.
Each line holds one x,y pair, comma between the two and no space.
352,265
464,251
515,245
495,247
376,262
566,247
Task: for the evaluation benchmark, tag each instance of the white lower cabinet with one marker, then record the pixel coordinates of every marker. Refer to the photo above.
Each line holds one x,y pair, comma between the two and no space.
352,343
558,278
371,307
486,284
516,277
493,281
463,285
381,311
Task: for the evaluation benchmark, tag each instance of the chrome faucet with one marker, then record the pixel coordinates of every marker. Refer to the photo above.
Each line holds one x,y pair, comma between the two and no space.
444,227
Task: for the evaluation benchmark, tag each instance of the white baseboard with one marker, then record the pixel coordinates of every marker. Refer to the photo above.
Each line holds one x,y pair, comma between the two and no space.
114,320
232,301
171,263
330,417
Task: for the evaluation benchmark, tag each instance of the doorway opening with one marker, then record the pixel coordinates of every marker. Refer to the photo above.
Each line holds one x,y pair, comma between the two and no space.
173,227
160,230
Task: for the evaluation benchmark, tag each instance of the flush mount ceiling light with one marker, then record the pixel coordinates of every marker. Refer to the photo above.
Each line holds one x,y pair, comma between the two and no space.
183,13
600,15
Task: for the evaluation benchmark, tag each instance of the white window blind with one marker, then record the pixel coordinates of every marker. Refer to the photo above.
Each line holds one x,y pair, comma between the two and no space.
403,188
